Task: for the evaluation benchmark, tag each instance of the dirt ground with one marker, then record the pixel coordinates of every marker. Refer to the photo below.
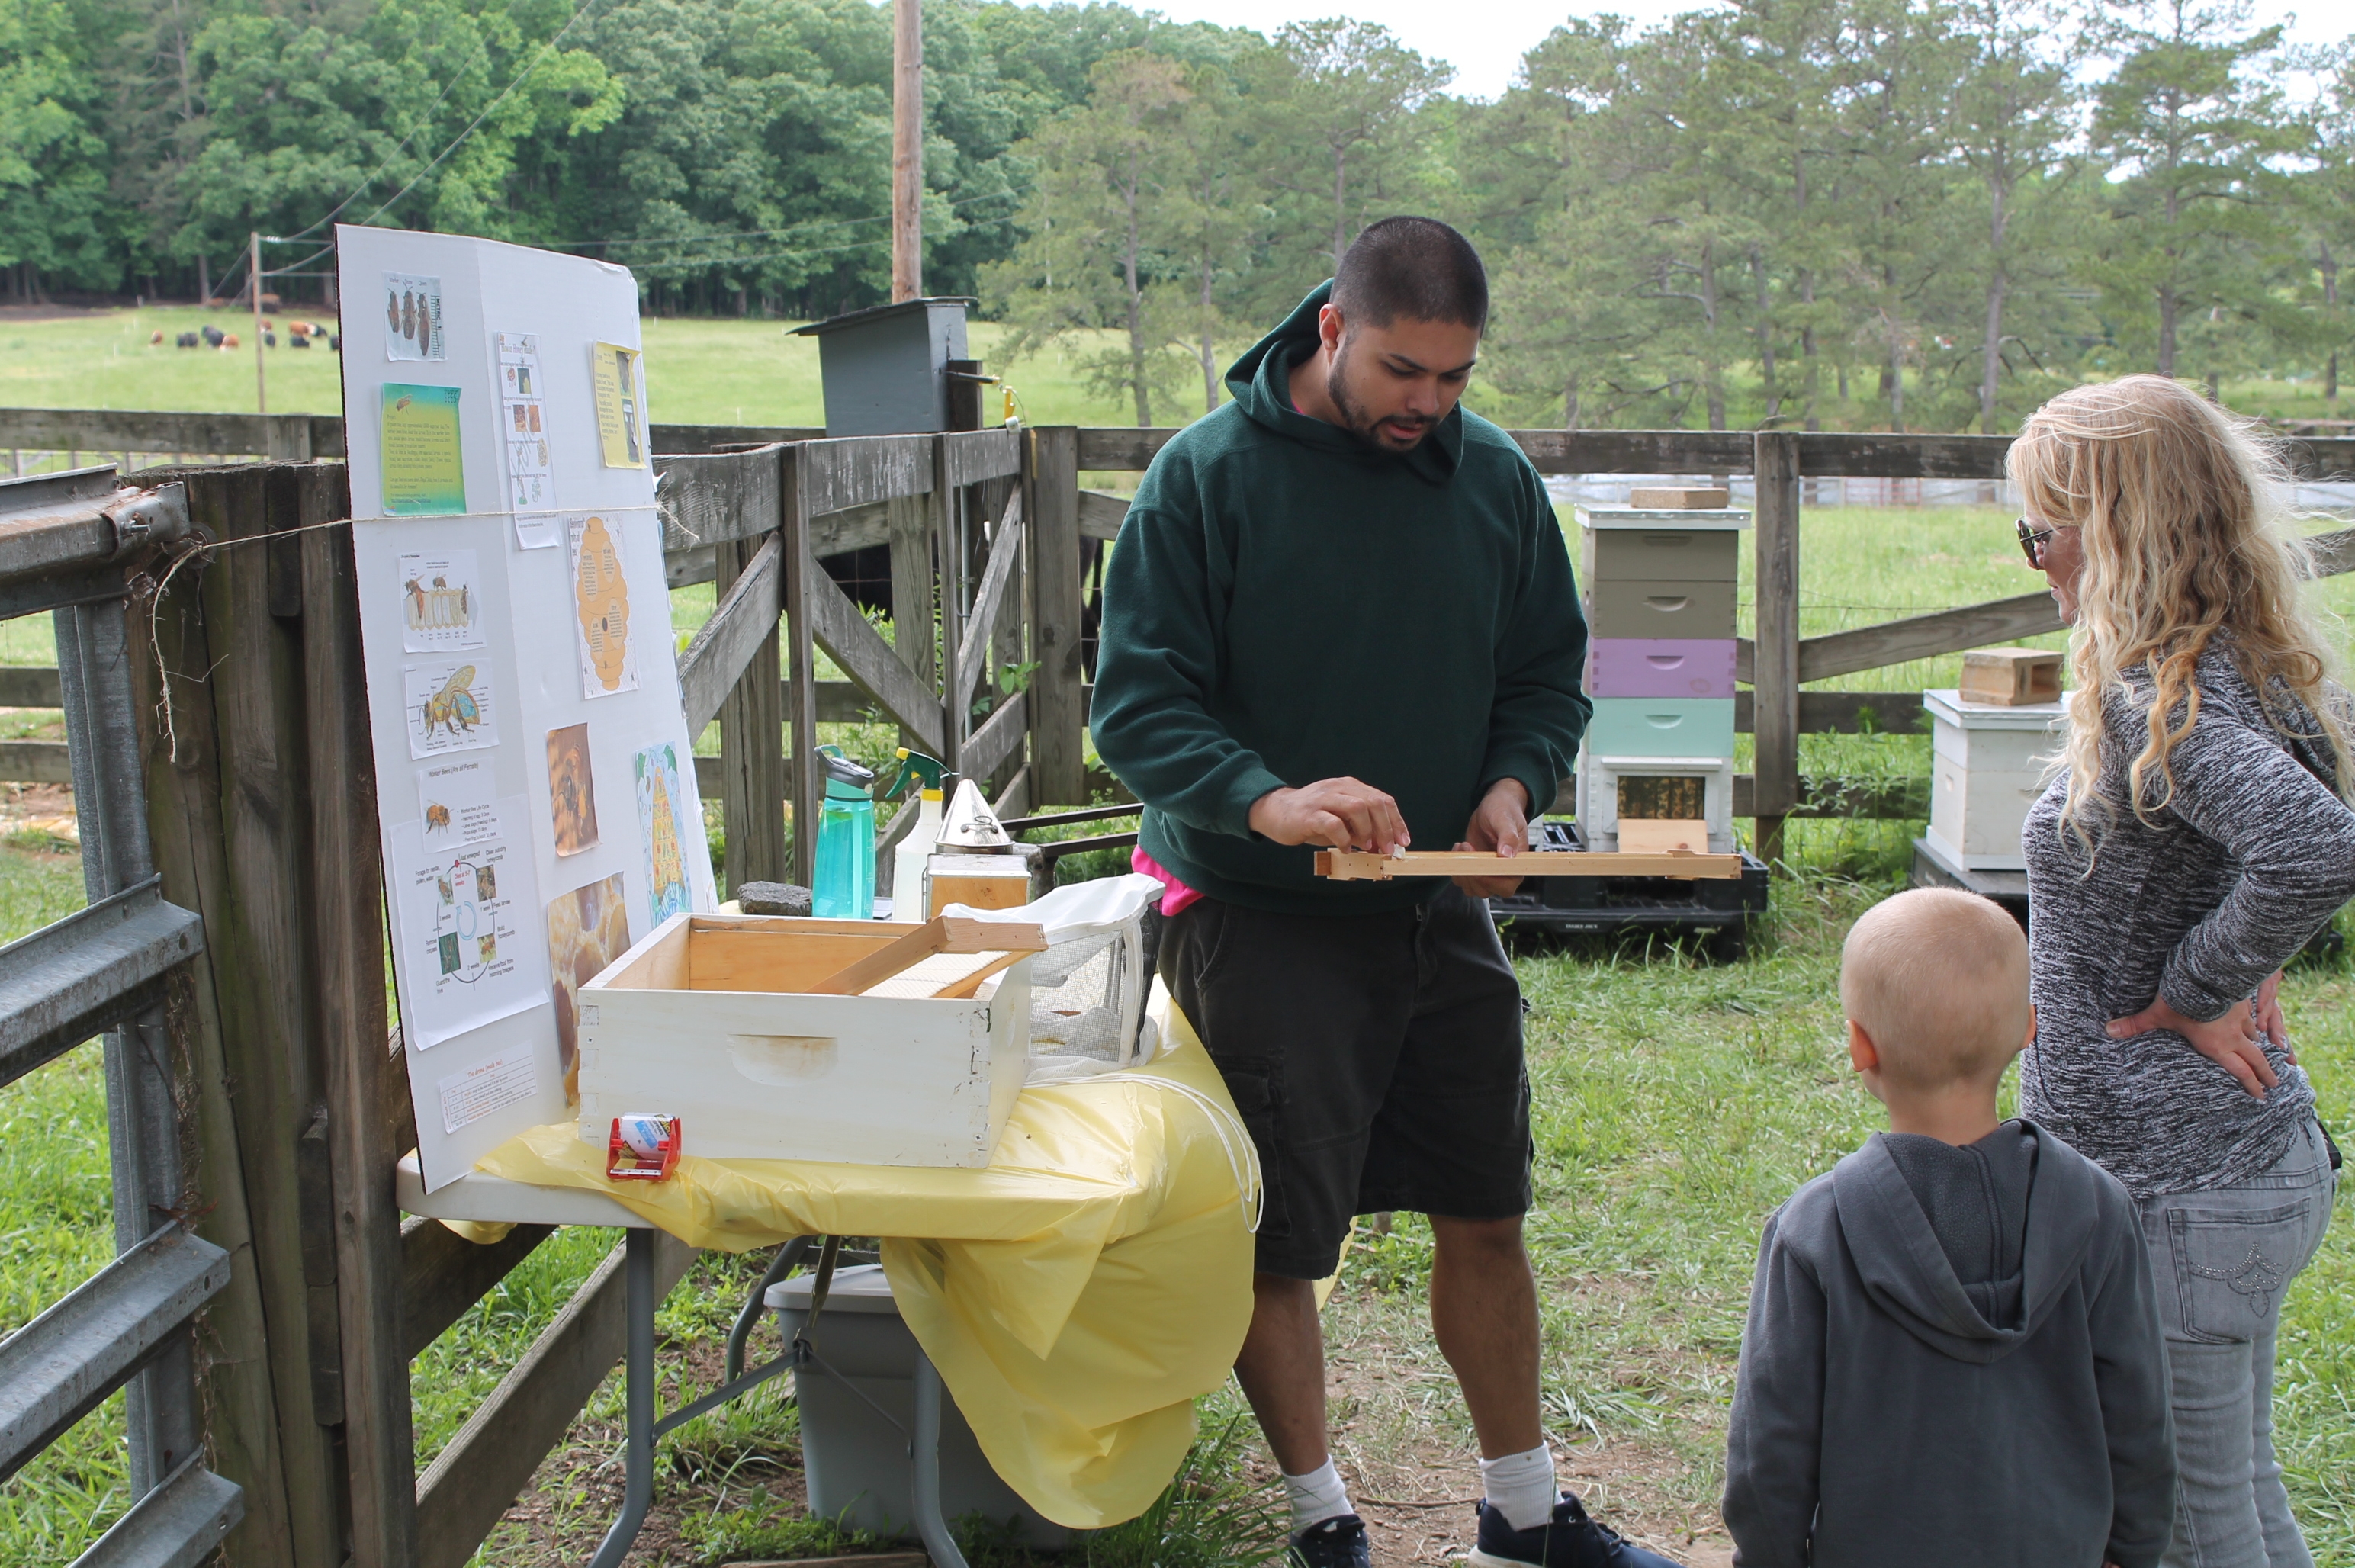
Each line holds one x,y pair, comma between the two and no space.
1402,1441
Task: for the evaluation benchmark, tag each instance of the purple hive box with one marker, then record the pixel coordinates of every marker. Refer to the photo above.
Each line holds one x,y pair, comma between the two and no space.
1660,667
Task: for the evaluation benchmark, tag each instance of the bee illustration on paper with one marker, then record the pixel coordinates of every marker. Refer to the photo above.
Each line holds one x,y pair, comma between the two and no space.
454,707
437,817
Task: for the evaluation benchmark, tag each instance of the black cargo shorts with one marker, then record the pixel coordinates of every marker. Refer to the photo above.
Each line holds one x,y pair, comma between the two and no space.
1376,1060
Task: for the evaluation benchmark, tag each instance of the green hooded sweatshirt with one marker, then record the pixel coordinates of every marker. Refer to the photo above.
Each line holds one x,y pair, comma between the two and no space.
1288,604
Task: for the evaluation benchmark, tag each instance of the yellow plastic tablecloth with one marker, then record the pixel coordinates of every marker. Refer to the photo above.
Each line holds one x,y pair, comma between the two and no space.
1077,1294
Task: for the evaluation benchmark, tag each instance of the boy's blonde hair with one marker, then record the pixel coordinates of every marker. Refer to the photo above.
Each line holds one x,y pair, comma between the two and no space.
1939,979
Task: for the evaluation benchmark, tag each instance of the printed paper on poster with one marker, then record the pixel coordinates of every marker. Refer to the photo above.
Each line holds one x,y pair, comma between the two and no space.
459,804
412,317
487,1086
441,602
463,959
601,609
621,405
661,802
449,706
523,425
587,929
571,790
424,469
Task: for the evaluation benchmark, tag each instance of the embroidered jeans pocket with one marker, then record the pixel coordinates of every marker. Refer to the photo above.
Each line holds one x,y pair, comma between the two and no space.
2231,1266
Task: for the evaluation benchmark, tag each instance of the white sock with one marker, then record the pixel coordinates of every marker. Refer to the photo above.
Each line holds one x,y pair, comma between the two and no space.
1520,1486
1316,1496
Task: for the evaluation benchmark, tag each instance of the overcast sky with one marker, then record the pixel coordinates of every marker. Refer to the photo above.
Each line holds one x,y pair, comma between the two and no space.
1485,39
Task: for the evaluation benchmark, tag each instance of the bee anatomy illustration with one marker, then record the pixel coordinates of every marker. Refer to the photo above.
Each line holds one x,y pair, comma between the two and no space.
454,707
437,817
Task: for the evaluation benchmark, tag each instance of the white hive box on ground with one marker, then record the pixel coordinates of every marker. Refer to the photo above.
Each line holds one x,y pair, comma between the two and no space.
711,1020
1985,774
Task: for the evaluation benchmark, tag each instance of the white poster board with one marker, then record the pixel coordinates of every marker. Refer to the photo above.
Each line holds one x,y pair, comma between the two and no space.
534,778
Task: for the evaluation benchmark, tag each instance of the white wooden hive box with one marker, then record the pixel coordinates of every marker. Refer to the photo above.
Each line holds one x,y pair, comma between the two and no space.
1985,774
702,1020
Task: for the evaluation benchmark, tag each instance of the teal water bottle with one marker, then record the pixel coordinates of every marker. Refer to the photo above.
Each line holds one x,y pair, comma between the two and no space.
844,877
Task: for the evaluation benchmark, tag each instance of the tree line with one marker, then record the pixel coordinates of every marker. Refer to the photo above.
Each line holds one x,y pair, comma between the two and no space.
1908,214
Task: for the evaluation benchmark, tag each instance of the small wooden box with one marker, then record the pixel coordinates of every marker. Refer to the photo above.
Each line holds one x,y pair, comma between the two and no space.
706,1019
1679,497
977,881
2011,678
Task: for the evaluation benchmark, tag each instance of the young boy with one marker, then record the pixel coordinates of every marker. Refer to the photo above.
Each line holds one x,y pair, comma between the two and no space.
1952,1353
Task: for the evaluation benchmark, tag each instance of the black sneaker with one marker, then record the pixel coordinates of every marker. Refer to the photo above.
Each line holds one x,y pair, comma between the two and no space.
1571,1540
1337,1542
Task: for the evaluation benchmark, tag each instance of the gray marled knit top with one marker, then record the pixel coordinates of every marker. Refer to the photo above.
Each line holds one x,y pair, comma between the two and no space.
2250,858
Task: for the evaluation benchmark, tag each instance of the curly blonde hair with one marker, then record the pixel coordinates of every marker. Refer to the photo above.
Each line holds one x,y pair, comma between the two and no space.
2186,539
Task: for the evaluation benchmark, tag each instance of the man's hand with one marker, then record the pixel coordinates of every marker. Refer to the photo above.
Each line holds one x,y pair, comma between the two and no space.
2233,1042
1341,813
1499,825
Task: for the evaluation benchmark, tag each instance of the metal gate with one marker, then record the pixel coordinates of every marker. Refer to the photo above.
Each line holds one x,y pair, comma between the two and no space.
72,544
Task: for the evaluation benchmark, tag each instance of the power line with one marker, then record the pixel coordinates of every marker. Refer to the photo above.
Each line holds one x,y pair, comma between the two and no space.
481,48
477,120
810,227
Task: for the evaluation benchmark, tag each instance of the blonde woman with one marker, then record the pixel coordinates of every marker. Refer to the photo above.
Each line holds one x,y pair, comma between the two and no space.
2194,836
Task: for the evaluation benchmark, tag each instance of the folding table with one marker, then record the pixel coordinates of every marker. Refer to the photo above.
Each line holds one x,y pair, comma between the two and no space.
482,1197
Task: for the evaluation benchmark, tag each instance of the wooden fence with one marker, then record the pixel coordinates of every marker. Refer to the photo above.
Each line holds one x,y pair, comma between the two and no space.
262,798
879,492
262,795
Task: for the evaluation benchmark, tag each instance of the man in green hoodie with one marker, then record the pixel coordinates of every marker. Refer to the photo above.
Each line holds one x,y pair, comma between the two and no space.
1340,613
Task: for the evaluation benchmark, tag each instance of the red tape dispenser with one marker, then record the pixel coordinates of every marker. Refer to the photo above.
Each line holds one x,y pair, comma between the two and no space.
642,1149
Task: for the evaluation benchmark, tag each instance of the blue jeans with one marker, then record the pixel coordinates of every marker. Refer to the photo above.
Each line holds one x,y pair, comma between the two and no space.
2222,1260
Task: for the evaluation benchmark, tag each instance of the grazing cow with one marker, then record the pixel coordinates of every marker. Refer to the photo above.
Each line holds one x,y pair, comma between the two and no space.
187,340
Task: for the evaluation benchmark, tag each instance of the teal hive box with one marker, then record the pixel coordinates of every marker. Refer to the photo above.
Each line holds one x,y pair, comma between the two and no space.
1661,726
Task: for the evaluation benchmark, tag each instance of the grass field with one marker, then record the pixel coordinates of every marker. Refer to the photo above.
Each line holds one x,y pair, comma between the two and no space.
1676,1104
698,370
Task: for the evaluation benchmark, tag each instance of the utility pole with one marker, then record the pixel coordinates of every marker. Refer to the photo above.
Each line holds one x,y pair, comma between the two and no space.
907,149
254,277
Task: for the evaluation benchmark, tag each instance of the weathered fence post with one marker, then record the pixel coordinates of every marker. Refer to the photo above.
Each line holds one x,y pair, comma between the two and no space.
348,937
1058,711
753,782
801,760
1775,675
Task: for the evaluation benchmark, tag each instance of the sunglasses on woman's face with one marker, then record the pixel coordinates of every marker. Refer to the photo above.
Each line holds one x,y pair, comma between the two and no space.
2033,542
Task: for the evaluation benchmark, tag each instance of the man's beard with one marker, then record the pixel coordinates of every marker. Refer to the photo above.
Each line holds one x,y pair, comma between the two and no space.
1361,423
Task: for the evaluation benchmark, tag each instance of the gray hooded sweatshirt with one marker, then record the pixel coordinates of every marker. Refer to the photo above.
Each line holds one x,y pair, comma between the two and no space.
1953,1357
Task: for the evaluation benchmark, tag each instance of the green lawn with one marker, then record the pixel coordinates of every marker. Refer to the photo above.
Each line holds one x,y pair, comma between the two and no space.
1676,1104
698,370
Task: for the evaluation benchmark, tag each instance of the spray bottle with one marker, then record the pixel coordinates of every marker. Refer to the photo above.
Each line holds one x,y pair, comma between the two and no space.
908,860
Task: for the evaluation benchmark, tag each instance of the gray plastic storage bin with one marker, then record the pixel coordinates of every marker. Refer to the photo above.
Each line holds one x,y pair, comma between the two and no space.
857,1464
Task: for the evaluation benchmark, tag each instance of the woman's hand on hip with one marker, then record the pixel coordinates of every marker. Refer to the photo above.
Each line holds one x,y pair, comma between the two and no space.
2270,1020
2233,1042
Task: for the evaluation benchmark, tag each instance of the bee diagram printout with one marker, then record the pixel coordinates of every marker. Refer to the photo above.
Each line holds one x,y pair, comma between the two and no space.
601,604
442,607
519,662
523,430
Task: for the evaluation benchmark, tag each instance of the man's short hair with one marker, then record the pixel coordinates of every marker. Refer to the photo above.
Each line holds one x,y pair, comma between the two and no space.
1415,267
1938,978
